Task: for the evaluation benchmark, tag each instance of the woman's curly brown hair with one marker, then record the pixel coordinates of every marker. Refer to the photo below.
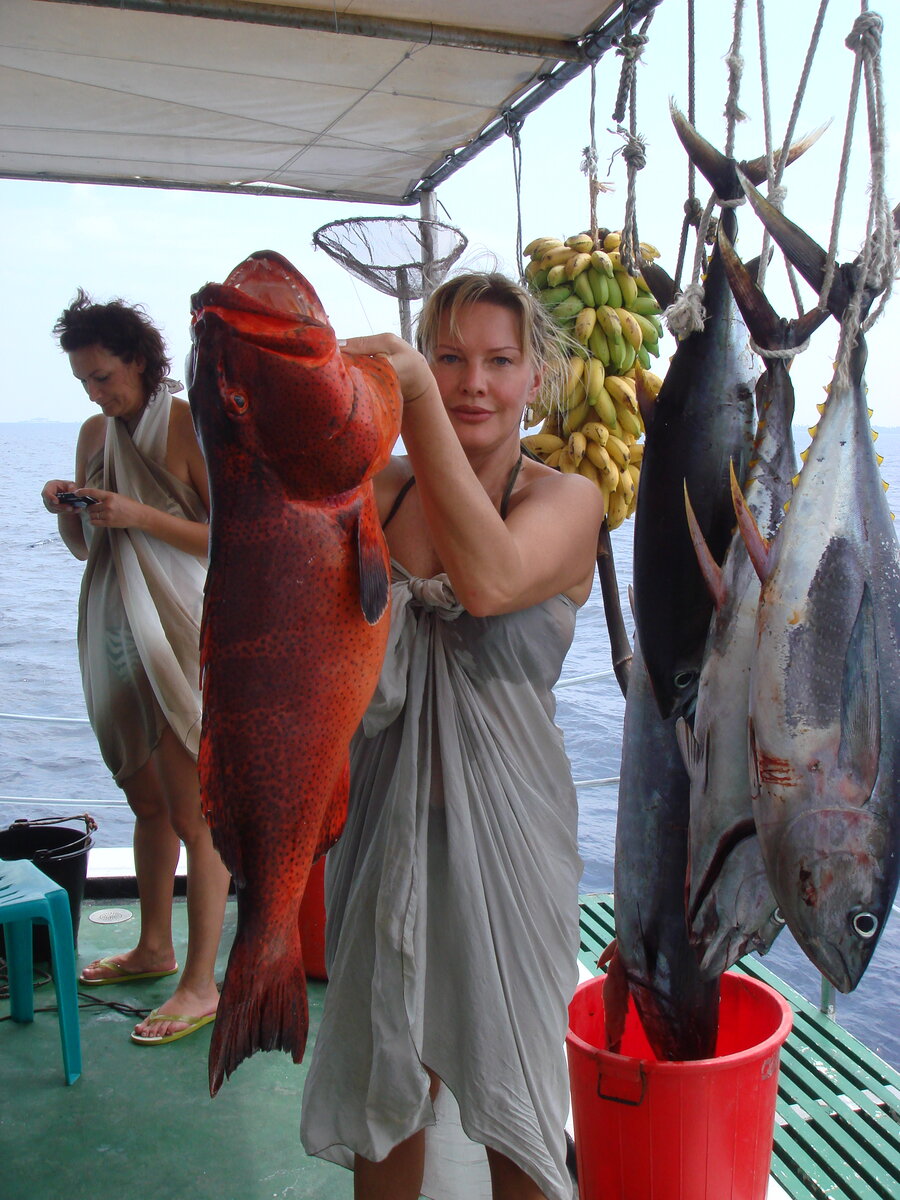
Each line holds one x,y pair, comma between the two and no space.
122,329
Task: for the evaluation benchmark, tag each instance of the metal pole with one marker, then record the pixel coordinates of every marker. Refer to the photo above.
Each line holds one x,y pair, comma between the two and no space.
426,237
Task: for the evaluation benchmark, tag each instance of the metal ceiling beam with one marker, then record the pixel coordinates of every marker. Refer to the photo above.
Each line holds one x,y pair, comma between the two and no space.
332,21
594,44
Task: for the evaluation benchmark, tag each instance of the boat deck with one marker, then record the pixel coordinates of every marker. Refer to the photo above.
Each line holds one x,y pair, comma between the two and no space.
140,1121
837,1132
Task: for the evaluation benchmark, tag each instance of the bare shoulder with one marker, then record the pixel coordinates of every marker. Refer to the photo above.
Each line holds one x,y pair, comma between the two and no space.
181,422
91,437
546,485
389,481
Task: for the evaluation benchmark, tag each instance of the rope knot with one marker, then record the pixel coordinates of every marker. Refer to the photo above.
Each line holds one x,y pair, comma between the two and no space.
693,211
634,152
865,36
630,46
687,315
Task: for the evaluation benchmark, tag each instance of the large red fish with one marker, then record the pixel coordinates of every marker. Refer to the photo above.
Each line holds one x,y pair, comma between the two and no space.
295,616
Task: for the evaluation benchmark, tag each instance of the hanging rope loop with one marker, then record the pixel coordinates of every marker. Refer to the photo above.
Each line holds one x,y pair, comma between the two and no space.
512,123
629,46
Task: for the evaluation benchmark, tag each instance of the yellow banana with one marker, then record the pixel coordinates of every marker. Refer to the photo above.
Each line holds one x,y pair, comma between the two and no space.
626,486
623,391
588,470
581,285
576,264
636,453
594,377
649,383
617,451
627,286
552,460
584,324
551,258
595,431
601,460
599,346
630,328
630,422
576,396
648,251
575,418
602,262
616,509
567,463
611,241
582,242
575,372
543,444
577,445
606,409
556,275
634,471
609,322
540,245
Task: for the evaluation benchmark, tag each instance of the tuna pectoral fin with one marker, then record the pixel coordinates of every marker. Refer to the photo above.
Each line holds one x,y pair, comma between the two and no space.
709,568
615,1000
861,700
757,546
263,1005
694,755
374,573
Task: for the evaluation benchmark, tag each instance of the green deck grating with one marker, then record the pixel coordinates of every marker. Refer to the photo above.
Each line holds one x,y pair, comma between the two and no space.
837,1132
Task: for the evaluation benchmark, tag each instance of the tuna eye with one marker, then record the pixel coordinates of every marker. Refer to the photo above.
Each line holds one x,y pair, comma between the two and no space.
866,925
778,917
684,679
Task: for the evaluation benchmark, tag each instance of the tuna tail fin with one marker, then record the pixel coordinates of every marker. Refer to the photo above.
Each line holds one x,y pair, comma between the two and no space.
615,998
263,1004
723,173
757,546
372,556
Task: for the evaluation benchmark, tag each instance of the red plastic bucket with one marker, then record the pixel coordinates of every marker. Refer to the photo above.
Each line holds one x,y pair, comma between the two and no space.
652,1130
312,922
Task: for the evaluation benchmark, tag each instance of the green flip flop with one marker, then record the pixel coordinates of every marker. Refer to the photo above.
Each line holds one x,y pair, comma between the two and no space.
192,1024
120,975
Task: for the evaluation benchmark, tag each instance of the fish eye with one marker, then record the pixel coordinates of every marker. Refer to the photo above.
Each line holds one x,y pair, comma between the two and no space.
238,400
684,679
778,917
865,924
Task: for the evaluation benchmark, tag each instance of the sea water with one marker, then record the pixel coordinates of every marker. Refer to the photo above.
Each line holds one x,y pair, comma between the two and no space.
50,765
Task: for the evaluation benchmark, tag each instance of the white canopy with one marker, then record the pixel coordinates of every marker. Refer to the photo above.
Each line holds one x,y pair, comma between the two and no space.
370,100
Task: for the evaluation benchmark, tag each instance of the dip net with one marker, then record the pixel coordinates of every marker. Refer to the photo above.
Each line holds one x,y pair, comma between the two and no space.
405,257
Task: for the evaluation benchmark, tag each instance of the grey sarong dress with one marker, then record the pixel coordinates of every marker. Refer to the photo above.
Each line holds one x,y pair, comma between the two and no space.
140,605
452,901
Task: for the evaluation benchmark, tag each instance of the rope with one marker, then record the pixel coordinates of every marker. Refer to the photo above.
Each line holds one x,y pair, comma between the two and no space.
735,63
589,158
878,261
634,151
513,124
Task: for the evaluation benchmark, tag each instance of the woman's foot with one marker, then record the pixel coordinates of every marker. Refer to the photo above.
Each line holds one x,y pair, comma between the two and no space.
184,1012
124,968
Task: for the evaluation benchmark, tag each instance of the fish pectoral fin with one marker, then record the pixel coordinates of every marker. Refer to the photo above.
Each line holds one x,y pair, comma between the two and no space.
860,744
757,545
615,1001
374,565
335,816
709,568
692,752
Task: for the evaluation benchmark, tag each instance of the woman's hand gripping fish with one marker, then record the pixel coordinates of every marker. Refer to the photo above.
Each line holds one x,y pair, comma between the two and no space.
295,618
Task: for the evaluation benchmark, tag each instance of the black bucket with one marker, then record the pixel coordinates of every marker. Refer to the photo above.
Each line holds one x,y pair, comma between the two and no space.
61,853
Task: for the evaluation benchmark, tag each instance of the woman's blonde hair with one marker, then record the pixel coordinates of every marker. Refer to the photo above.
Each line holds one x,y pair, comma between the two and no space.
542,340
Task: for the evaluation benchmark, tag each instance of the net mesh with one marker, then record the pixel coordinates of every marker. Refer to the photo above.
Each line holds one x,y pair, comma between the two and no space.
404,257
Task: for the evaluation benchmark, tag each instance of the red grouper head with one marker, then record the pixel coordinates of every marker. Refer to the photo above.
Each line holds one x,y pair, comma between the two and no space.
267,378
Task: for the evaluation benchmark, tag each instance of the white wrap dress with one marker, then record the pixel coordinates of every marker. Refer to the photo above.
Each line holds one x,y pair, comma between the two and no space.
452,902
141,603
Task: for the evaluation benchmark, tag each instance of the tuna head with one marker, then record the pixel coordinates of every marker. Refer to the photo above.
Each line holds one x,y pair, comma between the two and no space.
269,384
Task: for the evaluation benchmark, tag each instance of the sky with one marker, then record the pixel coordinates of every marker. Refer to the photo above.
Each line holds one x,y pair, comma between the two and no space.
156,248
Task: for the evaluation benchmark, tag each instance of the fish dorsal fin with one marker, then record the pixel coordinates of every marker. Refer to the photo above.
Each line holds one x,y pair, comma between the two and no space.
374,573
709,568
694,755
860,745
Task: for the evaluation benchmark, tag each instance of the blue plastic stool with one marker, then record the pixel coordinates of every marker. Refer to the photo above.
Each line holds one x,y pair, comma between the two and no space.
28,896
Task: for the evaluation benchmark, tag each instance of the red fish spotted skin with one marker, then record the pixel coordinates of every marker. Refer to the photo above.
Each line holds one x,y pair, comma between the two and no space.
295,618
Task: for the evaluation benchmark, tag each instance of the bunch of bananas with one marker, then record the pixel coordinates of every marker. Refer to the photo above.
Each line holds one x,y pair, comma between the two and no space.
614,326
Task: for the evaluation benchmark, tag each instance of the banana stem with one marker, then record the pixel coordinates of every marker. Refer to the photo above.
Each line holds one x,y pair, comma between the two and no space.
619,641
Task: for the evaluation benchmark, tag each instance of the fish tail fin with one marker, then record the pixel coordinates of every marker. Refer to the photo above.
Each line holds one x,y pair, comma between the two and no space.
263,1005
615,1001
709,568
